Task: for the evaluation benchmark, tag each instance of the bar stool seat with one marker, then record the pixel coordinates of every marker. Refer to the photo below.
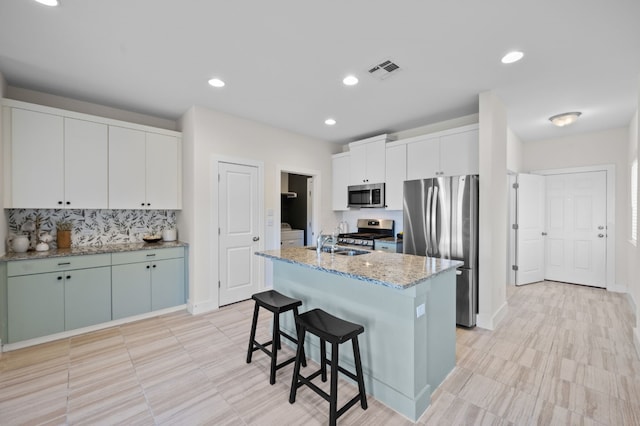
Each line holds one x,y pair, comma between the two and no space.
335,331
276,303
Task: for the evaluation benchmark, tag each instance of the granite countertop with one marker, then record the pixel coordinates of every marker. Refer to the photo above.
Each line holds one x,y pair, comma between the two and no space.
395,270
84,250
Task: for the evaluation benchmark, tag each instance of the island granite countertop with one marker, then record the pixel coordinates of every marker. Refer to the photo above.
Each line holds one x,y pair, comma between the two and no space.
85,250
395,270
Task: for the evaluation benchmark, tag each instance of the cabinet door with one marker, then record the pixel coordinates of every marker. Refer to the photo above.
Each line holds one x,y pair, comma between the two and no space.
130,289
126,168
376,153
87,297
86,164
162,172
423,159
340,172
459,154
396,174
35,305
167,283
358,165
37,161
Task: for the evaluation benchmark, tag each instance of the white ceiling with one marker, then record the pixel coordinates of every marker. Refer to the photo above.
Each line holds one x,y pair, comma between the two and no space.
284,60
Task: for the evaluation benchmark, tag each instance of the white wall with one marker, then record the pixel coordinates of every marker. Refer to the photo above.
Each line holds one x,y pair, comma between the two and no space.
591,149
69,104
3,216
514,152
207,134
493,212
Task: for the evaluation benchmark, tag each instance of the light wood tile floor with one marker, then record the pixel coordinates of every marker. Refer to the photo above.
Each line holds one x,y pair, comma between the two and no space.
564,355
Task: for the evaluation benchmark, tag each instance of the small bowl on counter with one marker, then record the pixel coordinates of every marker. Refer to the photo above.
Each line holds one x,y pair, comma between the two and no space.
152,238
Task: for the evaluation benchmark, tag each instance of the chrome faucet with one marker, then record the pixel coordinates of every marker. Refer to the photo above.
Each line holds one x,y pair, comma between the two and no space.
321,241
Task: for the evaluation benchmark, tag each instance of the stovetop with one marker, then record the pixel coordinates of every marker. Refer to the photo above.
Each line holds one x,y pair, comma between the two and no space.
368,231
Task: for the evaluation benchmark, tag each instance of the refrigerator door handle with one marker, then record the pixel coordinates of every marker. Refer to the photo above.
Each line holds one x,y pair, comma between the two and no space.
427,224
434,225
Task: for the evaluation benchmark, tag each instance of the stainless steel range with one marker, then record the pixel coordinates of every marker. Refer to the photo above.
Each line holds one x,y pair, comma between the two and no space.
368,231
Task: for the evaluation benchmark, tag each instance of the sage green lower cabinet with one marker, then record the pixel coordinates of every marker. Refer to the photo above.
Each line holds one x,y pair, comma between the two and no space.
130,289
87,297
36,305
147,280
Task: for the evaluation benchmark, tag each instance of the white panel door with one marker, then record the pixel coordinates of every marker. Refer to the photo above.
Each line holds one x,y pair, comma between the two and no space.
127,169
239,232
37,160
530,233
86,164
576,226
162,172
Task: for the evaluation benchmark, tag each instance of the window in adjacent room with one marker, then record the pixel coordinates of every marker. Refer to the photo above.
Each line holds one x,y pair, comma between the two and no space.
634,201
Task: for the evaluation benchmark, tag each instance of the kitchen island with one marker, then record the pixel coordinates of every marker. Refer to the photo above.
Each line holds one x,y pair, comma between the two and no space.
406,304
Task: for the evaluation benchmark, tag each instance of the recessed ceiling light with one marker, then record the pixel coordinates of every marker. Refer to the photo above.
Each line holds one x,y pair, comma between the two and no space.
48,2
216,82
329,121
512,57
350,80
565,119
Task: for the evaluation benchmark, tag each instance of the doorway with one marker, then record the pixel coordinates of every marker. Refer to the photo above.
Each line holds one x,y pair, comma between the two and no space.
310,180
296,206
568,217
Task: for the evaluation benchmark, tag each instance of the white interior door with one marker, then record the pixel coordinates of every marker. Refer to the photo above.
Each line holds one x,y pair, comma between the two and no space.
576,226
530,245
239,231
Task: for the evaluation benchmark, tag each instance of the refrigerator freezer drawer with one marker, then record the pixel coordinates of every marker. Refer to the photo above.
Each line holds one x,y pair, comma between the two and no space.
466,298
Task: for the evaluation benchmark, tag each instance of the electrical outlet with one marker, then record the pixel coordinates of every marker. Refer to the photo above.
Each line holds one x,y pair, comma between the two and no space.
420,310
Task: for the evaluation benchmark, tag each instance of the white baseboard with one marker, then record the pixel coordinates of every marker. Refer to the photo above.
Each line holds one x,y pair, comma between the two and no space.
491,322
618,288
202,307
66,334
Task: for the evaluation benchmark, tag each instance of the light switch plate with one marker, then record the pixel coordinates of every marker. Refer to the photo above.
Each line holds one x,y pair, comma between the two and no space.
420,310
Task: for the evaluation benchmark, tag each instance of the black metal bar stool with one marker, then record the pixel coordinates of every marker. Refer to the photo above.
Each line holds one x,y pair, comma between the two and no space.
335,331
277,303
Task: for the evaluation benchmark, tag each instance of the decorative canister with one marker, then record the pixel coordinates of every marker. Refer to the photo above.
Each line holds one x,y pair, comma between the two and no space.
18,243
63,239
169,235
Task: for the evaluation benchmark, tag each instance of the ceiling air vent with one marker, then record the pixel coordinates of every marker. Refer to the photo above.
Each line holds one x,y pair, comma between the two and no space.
384,69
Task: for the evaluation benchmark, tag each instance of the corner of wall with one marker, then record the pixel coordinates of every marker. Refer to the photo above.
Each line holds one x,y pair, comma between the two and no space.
3,217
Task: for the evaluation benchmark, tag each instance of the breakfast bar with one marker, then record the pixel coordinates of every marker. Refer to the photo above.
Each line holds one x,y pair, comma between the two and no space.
406,303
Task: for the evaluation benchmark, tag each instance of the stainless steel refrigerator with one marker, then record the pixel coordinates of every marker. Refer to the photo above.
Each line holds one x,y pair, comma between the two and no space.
441,220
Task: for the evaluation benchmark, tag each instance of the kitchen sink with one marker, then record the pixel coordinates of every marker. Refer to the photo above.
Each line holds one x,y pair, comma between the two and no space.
343,251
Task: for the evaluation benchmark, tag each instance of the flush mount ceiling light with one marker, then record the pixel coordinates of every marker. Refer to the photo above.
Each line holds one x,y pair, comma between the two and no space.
350,80
512,57
565,119
216,82
330,122
48,2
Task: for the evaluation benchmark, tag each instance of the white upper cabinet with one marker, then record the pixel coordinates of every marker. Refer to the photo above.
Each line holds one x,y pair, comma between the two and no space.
86,169
449,153
395,174
143,170
35,174
367,160
163,172
127,168
340,172
62,159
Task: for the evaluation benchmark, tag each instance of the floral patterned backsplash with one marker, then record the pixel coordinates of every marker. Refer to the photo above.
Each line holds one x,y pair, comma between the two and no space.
96,227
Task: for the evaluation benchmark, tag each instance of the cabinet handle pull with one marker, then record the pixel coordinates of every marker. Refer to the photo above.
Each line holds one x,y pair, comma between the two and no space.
64,263
68,277
154,266
151,255
60,202
142,204
148,204
68,202
147,266
59,278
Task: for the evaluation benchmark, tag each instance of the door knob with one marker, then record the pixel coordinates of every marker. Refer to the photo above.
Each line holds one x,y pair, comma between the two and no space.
600,227
600,235
544,234
256,238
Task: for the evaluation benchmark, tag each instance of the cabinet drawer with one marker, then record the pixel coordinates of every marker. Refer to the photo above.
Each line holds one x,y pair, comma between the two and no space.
146,255
40,266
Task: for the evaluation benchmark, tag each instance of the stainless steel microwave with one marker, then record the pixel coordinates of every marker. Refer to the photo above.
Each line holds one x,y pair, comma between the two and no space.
369,195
